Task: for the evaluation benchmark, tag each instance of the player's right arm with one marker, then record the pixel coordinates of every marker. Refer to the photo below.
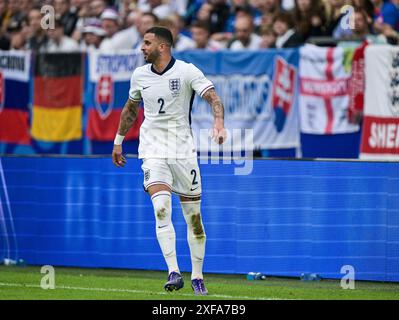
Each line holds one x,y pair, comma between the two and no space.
128,116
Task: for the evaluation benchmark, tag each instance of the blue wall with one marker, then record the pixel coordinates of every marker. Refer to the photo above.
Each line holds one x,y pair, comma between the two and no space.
286,218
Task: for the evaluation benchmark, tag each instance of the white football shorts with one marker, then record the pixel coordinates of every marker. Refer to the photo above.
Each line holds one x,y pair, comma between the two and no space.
181,175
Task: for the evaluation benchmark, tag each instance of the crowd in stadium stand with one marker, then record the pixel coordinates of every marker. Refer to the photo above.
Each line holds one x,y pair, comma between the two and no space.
206,24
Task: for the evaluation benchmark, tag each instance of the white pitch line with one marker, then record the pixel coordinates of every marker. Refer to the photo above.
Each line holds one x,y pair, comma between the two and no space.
3,284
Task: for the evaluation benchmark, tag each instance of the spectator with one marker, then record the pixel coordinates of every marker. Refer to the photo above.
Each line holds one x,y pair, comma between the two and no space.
180,41
76,5
267,6
268,9
125,7
83,15
204,12
244,37
96,8
67,18
362,31
387,15
241,7
147,21
37,37
92,34
284,28
201,35
132,37
268,37
367,6
377,4
386,19
192,9
14,15
334,17
110,24
17,38
391,35
110,21
362,28
58,41
158,7
4,38
288,5
219,12
310,18
25,6
132,18
179,6
3,14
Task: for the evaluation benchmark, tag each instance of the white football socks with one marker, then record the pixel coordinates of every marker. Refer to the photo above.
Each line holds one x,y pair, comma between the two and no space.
165,231
195,236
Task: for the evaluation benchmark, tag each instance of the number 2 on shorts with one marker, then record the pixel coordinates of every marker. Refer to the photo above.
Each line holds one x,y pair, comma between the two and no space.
194,174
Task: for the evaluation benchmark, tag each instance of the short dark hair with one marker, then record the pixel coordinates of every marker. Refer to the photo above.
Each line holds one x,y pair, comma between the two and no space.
201,25
162,33
285,17
152,15
58,23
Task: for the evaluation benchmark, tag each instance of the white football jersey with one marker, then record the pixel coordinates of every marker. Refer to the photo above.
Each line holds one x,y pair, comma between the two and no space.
168,99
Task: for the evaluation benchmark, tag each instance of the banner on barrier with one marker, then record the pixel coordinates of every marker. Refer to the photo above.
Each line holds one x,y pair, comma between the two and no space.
14,97
106,89
259,93
324,96
380,135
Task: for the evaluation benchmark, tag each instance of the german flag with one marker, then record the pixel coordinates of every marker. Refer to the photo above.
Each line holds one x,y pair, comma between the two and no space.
57,97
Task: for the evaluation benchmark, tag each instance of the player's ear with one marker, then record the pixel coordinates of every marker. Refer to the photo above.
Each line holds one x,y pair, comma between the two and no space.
162,46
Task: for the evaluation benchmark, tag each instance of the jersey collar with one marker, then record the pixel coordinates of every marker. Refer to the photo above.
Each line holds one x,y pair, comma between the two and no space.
169,66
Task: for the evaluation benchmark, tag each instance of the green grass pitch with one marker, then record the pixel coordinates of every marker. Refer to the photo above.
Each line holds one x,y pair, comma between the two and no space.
76,283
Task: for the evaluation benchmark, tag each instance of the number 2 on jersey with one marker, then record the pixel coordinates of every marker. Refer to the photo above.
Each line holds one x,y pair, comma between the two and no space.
161,101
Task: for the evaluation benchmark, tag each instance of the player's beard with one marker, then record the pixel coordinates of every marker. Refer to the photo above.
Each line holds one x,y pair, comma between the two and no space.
153,56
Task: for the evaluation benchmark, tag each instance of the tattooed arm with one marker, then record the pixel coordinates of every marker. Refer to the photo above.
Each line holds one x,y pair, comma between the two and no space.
128,116
219,132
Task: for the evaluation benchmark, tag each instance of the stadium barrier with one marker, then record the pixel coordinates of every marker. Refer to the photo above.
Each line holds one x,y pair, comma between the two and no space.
286,218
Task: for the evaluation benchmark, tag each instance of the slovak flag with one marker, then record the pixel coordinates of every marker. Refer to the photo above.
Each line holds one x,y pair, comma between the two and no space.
107,87
104,96
284,84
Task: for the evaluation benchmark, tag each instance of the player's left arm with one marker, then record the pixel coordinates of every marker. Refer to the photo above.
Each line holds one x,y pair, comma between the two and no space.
219,132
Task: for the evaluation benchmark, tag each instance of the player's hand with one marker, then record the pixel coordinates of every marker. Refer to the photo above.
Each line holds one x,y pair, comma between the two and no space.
219,134
117,157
